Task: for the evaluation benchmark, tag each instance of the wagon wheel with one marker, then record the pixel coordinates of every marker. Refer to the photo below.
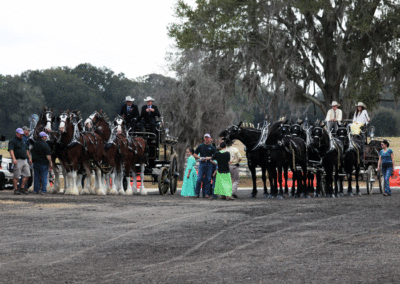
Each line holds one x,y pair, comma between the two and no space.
163,181
381,181
370,179
173,174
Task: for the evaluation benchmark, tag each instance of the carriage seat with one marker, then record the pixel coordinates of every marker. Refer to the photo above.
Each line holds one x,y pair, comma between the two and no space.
147,126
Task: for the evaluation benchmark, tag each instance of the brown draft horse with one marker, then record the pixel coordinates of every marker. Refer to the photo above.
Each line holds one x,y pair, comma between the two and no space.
112,158
132,151
79,149
44,123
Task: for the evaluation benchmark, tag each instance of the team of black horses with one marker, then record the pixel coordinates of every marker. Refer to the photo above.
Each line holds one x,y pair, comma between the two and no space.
309,150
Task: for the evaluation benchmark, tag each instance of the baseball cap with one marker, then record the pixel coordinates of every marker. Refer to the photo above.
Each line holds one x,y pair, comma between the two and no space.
43,134
25,128
19,130
207,135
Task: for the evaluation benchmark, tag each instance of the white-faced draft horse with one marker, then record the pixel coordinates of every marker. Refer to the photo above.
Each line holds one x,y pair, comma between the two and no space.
76,149
112,160
132,150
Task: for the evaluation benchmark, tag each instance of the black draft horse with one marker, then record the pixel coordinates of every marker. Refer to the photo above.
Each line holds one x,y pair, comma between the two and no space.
303,130
331,152
294,151
351,158
249,137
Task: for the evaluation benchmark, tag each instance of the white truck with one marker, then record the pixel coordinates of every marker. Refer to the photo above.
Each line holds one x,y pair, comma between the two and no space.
6,173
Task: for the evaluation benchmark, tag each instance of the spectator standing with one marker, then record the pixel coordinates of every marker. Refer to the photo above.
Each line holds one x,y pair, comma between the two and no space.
386,163
20,157
234,168
41,156
25,139
223,183
190,177
148,114
130,112
206,150
334,116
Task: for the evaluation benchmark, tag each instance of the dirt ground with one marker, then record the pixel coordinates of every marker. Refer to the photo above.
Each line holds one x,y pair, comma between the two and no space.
172,239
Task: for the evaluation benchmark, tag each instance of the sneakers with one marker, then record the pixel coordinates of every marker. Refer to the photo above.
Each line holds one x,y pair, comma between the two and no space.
235,196
17,192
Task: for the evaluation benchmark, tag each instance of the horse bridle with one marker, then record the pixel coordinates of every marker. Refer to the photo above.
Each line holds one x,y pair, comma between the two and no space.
92,117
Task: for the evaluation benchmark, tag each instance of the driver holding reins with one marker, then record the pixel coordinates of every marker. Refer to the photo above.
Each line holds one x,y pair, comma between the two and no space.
130,113
334,116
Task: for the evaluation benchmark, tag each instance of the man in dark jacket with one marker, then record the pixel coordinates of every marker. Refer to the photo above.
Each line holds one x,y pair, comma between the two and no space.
21,159
148,114
130,112
41,156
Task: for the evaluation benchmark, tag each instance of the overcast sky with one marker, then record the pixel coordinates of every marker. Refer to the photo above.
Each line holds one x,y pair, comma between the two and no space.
125,36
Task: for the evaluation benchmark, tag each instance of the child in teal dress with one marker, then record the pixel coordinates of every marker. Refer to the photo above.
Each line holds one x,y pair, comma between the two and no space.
190,177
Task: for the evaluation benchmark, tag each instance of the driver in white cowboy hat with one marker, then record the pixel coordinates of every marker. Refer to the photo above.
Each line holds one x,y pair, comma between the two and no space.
334,116
130,112
361,114
149,113
360,119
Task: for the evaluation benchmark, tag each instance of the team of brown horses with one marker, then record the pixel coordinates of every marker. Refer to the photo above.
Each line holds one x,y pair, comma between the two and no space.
94,146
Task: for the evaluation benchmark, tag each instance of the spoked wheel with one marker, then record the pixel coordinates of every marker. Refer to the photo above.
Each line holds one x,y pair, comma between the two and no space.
163,181
381,181
173,174
370,179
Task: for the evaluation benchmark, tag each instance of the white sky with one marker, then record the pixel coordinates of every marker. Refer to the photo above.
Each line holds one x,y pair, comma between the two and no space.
125,36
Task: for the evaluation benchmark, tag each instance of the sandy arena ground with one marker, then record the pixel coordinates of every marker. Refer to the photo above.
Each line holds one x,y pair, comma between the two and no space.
172,239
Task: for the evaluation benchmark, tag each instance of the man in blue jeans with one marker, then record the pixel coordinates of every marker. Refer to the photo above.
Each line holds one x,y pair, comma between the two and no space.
41,157
205,166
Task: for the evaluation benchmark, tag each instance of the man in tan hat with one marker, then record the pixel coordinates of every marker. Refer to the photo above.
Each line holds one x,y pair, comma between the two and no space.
334,116
148,114
130,113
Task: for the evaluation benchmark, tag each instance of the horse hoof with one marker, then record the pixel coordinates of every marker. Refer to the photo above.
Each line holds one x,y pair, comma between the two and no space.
279,197
350,194
333,196
252,196
270,197
359,193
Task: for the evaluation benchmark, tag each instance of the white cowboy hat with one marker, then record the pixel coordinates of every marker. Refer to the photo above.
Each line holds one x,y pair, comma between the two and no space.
129,99
335,103
360,104
148,99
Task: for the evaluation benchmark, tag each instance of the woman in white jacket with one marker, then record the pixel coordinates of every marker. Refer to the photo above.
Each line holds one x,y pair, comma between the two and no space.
360,118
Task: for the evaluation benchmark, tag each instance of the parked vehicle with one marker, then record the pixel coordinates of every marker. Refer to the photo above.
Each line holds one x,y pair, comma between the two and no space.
6,173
